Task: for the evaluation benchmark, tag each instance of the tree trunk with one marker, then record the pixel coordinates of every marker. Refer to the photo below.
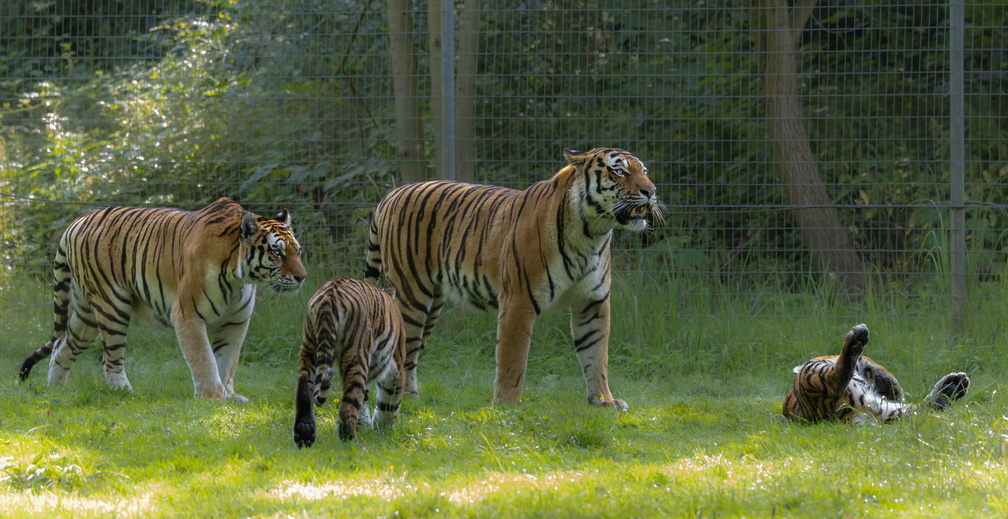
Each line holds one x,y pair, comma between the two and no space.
776,34
436,91
465,85
404,86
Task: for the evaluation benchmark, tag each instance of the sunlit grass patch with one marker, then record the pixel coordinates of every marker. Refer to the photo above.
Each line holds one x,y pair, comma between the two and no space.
704,435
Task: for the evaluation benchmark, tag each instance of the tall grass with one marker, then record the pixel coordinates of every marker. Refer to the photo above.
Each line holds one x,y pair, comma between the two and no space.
703,362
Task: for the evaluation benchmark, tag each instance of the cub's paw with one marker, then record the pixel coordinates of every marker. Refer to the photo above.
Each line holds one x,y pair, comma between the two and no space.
856,340
304,434
950,388
347,429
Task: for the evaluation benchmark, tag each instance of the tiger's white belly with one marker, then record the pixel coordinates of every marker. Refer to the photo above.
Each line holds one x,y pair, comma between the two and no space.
873,406
216,309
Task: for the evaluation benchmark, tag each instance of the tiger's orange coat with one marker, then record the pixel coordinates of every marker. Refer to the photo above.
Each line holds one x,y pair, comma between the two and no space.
193,271
521,253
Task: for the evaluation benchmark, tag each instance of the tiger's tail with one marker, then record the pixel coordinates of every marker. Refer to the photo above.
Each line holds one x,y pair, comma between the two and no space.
373,267
61,313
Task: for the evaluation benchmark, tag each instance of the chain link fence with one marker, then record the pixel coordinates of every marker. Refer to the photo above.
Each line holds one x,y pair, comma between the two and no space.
842,149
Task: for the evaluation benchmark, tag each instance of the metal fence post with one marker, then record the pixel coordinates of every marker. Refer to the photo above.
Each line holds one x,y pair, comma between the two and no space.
957,166
448,89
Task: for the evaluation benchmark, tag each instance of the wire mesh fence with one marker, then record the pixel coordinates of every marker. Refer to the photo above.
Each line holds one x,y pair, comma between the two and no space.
798,148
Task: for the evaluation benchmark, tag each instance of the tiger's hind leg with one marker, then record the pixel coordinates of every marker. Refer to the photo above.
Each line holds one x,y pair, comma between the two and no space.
81,331
314,378
850,353
950,388
355,360
418,325
391,386
113,325
304,412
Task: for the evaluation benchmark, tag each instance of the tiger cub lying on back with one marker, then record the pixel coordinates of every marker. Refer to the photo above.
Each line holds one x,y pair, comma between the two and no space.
361,327
852,388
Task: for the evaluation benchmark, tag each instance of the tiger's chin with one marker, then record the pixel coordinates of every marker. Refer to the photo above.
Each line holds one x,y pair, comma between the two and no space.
284,287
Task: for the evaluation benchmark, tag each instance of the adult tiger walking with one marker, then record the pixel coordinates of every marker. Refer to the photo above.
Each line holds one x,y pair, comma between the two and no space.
521,253
194,271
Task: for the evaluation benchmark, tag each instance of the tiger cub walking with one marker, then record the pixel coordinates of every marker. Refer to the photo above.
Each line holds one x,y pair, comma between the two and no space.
361,327
852,388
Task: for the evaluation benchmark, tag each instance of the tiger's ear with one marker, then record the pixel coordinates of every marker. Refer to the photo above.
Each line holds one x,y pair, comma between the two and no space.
575,156
283,217
249,227
390,291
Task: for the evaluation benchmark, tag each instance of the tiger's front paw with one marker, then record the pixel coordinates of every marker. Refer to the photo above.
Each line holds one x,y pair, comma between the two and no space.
118,381
856,340
304,433
614,402
211,391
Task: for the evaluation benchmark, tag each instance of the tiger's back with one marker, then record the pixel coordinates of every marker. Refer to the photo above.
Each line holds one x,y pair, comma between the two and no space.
455,228
193,271
356,327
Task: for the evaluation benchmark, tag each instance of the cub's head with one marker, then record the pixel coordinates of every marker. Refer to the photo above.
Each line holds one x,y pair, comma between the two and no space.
616,187
273,253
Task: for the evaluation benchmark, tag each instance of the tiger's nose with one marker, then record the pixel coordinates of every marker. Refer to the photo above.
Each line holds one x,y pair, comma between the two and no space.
648,192
300,278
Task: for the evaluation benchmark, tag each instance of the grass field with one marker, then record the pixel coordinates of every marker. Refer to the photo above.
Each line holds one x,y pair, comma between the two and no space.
704,377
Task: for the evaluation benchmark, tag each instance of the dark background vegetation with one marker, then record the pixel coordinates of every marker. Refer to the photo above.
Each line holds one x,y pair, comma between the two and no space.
289,104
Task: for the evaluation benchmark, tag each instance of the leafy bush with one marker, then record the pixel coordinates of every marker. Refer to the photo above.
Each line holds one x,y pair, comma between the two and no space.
294,108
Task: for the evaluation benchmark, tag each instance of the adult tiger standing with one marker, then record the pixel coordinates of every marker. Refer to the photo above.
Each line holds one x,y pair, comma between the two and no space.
195,272
519,252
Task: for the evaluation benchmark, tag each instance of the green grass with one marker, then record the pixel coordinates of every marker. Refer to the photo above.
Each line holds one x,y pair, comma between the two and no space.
704,376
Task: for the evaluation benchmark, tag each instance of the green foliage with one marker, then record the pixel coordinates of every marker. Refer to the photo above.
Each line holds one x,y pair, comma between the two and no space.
210,98
882,139
223,111
48,472
47,39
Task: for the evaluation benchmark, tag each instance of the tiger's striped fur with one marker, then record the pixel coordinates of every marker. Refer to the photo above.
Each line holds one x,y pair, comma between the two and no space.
852,388
360,326
520,253
194,271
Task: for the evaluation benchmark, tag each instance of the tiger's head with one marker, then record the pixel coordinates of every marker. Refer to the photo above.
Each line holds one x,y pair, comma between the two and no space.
273,255
616,187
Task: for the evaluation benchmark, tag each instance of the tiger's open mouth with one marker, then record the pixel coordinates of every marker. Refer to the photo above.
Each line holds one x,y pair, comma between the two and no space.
632,213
